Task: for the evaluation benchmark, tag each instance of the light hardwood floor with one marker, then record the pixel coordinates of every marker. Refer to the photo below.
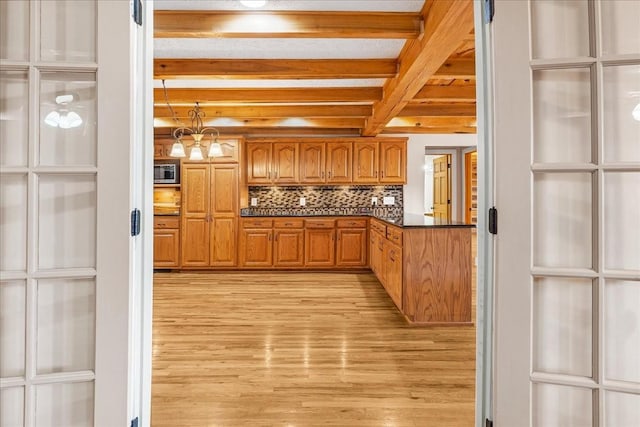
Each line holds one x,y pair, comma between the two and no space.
301,349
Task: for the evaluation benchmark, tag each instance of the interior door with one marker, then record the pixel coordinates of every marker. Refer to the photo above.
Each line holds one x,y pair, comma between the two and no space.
442,187
65,186
567,144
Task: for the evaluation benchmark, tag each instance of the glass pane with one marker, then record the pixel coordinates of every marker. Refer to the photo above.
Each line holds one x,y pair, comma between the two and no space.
562,326
69,405
13,222
560,28
561,406
68,30
14,117
622,334
562,220
621,409
621,213
621,98
562,116
67,119
12,407
67,221
66,325
13,314
14,30
620,27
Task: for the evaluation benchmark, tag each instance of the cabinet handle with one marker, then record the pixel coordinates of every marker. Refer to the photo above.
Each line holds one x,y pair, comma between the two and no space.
322,174
381,174
269,236
329,174
376,174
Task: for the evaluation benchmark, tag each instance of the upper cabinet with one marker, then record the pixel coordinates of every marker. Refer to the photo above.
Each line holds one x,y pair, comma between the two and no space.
270,163
337,161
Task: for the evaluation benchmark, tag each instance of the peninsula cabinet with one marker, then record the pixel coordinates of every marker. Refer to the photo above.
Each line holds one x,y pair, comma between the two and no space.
210,210
272,162
426,270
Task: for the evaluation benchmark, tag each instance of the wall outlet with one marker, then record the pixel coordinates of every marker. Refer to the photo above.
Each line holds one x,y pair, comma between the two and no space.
303,202
374,201
389,200
254,201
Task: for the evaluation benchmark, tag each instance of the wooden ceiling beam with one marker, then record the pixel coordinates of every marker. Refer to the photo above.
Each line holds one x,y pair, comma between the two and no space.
429,130
457,68
451,93
447,23
285,24
322,122
267,111
272,95
438,110
272,132
431,122
273,68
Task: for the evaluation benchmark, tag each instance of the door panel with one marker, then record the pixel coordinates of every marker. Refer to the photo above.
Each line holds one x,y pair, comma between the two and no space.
223,242
256,248
285,162
224,190
365,163
339,163
441,188
319,248
352,247
288,248
259,163
393,162
195,242
567,180
312,161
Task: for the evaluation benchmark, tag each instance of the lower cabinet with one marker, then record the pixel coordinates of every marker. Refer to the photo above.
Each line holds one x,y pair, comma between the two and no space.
288,243
393,272
166,242
319,246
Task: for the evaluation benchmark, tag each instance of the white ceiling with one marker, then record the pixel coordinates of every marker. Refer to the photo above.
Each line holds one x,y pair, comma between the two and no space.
324,5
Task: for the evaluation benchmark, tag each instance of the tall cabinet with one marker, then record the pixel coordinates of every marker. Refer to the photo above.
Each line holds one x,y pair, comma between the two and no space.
210,211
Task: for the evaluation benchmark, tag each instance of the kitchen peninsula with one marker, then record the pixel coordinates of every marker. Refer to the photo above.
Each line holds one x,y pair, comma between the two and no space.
335,204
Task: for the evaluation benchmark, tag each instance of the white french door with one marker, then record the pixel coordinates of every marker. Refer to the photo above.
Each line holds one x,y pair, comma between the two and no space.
65,270
567,147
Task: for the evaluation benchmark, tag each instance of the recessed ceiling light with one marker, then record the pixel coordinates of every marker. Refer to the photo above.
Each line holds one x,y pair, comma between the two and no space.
253,3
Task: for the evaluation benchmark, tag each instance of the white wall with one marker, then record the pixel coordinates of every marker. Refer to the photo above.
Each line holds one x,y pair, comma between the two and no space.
414,190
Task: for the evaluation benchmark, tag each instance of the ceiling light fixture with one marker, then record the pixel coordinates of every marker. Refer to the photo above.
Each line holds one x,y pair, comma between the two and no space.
253,3
62,117
197,131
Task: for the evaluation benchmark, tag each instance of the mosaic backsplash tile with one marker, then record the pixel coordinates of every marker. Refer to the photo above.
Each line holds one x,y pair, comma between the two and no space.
325,200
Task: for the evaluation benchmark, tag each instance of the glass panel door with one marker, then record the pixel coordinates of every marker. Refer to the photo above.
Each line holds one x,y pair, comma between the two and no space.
568,196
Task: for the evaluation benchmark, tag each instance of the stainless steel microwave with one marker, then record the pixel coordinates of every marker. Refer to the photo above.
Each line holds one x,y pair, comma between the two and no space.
166,173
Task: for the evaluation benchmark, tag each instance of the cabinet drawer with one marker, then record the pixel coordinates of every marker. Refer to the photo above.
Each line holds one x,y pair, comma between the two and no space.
166,222
257,223
352,223
394,235
320,223
288,223
380,228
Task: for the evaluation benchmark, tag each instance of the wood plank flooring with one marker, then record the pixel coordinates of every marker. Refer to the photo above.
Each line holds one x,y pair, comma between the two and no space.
301,349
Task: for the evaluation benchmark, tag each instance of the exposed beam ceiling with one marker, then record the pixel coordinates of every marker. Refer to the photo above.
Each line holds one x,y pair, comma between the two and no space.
272,95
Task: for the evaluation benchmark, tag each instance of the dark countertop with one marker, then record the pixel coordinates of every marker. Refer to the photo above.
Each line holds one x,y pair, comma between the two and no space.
409,220
406,221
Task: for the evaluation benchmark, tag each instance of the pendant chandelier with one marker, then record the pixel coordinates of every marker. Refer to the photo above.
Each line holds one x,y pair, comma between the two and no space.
196,131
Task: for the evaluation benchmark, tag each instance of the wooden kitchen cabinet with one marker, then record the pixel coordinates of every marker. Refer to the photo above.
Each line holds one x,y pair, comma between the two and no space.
166,242
256,249
288,243
365,162
209,215
312,162
339,162
393,162
272,163
352,243
319,243
392,256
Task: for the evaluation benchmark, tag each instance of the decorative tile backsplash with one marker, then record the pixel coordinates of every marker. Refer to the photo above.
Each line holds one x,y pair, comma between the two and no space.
325,200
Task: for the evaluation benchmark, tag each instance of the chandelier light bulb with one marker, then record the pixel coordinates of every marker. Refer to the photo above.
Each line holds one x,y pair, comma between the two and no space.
177,149
196,153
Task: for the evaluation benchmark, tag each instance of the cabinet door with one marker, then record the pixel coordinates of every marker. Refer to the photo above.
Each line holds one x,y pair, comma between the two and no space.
256,248
373,237
230,151
288,248
381,271
312,162
223,242
285,162
365,162
259,163
393,162
166,247
224,190
319,247
339,162
393,270
352,247
195,215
